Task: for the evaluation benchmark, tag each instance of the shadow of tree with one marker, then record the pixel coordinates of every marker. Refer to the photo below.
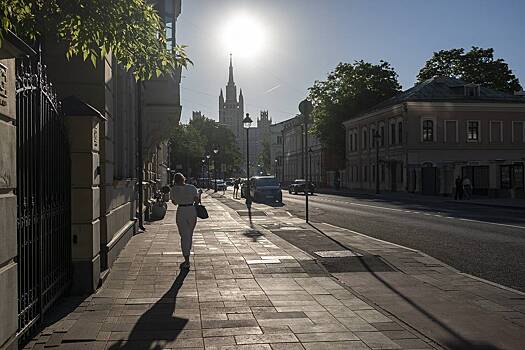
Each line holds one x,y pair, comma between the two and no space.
157,326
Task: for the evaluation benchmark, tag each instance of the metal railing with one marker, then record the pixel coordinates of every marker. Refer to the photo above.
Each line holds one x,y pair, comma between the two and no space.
43,195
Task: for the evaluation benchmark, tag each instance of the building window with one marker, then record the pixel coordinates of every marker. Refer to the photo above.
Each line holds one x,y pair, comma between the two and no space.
279,140
400,132
518,132
351,143
383,172
511,176
392,133
373,172
365,138
365,173
169,15
473,131
428,130
472,90
382,133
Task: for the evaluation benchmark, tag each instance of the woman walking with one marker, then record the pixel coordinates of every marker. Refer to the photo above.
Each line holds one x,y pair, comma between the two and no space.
185,196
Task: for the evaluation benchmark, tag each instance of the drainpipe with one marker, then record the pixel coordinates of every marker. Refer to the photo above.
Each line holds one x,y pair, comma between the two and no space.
405,136
140,157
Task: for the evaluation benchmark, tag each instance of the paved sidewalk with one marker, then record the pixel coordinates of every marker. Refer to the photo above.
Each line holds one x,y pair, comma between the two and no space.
248,289
455,310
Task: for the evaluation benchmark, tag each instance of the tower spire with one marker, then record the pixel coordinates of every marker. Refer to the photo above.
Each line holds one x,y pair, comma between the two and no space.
230,79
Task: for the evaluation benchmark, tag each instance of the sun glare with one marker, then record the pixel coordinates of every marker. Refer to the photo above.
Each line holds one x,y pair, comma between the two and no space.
243,36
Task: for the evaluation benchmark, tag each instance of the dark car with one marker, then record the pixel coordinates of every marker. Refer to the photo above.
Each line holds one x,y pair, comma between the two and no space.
301,185
265,189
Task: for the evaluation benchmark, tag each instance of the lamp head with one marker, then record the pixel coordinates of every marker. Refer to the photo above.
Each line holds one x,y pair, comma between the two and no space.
247,121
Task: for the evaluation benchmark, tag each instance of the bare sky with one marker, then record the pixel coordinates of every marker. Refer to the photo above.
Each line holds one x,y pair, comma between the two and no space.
296,42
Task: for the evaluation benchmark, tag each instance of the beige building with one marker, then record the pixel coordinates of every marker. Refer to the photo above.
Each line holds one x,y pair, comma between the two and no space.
276,149
296,155
424,138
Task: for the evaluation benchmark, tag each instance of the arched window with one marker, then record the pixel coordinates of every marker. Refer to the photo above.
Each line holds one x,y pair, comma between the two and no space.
428,130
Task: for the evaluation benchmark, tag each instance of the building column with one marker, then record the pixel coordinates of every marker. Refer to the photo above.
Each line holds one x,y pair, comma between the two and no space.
84,125
8,211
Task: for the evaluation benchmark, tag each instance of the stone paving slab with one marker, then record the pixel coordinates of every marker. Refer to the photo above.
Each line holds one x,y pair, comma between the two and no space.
283,301
456,310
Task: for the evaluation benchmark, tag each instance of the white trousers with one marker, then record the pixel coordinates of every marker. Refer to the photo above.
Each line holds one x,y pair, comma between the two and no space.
186,221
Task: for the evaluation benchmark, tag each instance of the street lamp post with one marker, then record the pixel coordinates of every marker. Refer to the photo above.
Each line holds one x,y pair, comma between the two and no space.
215,151
376,138
202,171
208,165
275,162
246,123
306,107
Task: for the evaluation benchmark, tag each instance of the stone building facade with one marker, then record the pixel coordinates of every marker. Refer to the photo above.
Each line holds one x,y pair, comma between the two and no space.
435,132
296,155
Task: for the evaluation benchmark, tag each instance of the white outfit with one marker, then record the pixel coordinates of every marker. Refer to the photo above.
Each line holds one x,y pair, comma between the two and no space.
186,215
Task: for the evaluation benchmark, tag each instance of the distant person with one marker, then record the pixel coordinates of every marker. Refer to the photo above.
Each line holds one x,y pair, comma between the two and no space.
467,188
236,184
459,189
185,196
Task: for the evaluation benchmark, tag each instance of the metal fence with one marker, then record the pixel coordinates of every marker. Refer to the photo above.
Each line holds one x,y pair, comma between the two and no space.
44,197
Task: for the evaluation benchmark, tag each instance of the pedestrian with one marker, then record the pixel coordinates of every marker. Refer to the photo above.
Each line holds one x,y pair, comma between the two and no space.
185,196
467,188
459,189
236,188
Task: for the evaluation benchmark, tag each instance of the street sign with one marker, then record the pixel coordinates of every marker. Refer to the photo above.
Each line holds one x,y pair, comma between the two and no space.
306,107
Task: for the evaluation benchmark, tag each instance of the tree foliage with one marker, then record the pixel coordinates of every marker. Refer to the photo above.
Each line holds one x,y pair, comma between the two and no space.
264,157
131,30
193,141
349,90
475,66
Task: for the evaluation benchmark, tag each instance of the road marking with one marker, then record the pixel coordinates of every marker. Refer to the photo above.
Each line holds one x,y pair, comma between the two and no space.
427,214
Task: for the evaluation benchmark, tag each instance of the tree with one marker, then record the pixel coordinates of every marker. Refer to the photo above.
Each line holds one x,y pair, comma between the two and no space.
220,137
475,66
264,157
131,30
187,146
349,90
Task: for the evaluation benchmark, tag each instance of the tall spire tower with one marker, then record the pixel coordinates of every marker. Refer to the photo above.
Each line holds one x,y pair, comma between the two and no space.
231,107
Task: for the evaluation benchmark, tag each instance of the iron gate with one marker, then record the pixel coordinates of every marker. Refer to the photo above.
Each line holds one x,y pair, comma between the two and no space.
43,195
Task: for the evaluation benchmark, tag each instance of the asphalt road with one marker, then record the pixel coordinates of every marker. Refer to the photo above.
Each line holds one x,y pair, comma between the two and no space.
487,242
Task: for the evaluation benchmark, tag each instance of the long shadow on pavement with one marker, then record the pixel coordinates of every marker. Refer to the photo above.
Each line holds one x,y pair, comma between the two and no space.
157,326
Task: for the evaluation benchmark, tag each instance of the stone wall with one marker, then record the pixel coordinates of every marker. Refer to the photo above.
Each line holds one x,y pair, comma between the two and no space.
8,250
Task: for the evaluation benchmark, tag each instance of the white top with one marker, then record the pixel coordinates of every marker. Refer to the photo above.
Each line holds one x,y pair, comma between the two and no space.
183,194
466,182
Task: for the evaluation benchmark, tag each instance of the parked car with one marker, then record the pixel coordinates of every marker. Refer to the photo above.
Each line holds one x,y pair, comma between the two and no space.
265,188
221,185
230,181
301,185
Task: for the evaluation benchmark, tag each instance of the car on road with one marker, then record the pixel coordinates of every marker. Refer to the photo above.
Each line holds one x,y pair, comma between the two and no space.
230,181
221,185
301,185
265,189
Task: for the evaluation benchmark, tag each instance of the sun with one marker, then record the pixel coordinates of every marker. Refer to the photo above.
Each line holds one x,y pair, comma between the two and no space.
243,36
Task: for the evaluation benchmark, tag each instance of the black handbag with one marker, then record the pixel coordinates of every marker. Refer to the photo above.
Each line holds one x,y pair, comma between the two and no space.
202,213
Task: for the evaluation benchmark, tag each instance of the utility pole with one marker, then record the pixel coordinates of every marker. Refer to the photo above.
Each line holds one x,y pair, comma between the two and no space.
306,107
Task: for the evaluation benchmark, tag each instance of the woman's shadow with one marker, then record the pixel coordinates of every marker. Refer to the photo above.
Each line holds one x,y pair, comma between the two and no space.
157,326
